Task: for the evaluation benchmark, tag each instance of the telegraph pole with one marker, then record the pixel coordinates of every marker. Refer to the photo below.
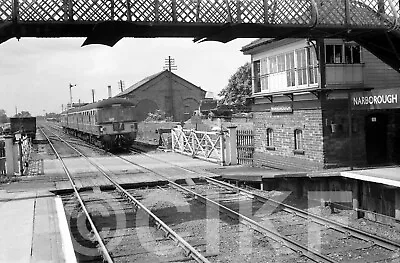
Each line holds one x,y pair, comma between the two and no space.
121,85
169,66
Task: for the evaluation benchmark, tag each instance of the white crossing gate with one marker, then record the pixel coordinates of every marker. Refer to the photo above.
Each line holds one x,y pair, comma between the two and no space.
200,144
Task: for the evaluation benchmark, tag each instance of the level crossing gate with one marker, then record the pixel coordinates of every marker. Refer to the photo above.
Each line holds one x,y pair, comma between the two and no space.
228,147
209,146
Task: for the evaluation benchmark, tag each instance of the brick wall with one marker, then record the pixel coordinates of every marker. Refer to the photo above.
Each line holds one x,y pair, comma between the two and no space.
283,125
155,93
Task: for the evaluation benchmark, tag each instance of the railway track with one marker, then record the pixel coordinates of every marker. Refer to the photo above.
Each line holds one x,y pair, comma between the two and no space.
231,236
336,241
311,238
88,203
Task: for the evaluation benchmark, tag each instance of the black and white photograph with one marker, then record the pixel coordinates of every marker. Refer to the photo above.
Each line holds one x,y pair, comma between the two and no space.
200,131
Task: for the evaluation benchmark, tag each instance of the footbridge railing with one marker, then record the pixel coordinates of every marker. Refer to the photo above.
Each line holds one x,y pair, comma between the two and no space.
339,13
374,24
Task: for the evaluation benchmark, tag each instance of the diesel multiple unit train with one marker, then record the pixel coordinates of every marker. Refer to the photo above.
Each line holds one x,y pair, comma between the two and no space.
109,123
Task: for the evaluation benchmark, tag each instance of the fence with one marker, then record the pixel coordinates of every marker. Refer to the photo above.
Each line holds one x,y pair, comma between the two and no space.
15,157
245,146
203,145
2,157
26,149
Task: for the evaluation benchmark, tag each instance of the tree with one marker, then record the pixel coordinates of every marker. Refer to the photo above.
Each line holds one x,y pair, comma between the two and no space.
3,116
238,88
23,114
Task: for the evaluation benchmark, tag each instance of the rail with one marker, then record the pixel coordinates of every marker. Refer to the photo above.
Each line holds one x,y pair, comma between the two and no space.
103,248
318,219
190,251
310,253
382,242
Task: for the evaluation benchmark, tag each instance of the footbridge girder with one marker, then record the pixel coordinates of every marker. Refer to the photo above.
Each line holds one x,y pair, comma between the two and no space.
373,23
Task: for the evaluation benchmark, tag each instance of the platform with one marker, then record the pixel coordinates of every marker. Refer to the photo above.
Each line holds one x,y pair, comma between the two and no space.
384,175
34,228
253,174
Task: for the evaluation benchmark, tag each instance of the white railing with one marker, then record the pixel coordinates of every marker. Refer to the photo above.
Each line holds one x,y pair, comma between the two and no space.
216,146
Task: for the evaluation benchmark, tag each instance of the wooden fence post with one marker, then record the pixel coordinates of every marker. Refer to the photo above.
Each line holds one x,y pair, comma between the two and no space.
10,162
232,146
222,146
173,139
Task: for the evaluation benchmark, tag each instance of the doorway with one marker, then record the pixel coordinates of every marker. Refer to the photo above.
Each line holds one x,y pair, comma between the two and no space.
376,138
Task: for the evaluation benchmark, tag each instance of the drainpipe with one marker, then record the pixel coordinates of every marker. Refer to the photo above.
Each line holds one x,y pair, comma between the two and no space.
350,121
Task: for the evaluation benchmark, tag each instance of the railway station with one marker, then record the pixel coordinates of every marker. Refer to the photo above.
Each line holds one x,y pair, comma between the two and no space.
309,174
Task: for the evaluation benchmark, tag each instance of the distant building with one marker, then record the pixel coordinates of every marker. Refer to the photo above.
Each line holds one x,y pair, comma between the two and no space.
165,91
320,104
76,105
207,104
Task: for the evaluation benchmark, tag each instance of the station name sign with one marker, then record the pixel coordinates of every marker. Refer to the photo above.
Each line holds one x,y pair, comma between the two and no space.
376,99
282,109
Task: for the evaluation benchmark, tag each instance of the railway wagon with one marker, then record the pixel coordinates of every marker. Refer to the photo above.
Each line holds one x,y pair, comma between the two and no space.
24,125
110,123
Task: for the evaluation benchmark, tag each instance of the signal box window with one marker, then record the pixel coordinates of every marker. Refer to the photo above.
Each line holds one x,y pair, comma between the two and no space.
334,54
257,80
348,54
352,54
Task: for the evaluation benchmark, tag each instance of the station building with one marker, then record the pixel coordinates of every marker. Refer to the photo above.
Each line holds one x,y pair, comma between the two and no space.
164,91
323,103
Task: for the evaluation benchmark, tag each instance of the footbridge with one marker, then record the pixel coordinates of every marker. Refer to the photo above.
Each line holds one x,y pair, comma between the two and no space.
374,24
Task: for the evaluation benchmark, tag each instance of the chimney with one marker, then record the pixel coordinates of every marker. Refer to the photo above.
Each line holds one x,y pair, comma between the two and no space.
109,92
93,95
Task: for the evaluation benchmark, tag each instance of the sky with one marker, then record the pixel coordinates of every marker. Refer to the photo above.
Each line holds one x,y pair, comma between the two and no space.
35,73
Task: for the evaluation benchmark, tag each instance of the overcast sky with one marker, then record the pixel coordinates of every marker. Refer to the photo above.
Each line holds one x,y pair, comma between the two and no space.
35,73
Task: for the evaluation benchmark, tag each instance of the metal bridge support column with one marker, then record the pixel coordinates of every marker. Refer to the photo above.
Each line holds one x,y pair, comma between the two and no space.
356,202
10,162
231,146
397,207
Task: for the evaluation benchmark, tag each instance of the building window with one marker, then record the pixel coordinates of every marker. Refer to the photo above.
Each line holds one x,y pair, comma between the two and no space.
270,139
334,54
298,141
257,81
273,66
290,72
264,74
301,62
312,66
352,54
281,63
348,53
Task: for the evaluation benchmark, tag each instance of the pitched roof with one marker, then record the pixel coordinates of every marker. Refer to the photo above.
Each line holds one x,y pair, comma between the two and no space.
271,43
138,84
147,79
255,43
